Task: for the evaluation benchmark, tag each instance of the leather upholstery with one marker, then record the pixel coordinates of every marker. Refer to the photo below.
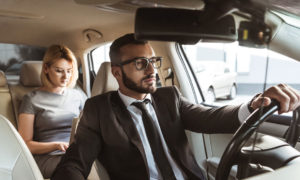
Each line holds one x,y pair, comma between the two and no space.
29,80
104,80
16,160
103,83
3,81
6,107
30,73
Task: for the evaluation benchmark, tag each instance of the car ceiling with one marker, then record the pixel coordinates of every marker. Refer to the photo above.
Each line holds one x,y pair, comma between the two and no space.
287,6
44,22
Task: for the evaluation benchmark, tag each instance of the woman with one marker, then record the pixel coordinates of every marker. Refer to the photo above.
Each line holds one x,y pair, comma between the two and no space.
46,114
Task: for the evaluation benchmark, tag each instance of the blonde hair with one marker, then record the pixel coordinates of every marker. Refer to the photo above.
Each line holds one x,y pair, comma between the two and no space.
54,53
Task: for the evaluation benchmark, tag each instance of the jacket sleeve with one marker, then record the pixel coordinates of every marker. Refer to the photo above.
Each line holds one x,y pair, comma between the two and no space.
198,118
76,163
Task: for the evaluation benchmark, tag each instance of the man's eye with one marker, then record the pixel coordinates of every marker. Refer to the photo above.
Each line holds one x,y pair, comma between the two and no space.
139,62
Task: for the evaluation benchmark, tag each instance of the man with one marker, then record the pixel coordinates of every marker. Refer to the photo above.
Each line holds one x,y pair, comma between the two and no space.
140,140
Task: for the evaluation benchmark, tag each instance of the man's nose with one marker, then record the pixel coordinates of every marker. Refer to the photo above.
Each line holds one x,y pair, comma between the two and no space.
150,68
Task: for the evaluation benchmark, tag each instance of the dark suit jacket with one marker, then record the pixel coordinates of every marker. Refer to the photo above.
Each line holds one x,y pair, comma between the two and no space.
106,131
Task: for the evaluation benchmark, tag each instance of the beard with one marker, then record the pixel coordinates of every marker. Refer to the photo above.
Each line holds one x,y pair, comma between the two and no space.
130,84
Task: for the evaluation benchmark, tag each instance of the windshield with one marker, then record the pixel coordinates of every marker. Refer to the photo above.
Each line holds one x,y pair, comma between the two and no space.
232,74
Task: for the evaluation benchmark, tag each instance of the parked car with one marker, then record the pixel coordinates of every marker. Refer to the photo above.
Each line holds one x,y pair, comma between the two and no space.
216,80
84,26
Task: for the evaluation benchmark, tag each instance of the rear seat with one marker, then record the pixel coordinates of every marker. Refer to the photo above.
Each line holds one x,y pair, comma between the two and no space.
29,80
6,108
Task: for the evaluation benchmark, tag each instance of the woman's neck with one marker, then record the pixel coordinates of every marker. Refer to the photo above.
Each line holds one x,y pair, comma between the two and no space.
57,90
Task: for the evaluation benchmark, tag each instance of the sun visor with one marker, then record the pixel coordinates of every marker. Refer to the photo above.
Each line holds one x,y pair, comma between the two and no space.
182,26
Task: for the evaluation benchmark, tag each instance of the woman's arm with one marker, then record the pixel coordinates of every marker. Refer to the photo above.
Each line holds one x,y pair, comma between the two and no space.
25,128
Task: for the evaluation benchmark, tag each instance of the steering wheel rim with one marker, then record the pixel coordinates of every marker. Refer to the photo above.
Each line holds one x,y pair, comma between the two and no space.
241,136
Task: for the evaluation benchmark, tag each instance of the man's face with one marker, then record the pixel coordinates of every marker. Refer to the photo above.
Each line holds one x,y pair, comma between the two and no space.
141,81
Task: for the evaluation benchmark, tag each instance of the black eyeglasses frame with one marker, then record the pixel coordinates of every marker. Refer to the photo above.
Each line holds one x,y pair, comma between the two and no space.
149,60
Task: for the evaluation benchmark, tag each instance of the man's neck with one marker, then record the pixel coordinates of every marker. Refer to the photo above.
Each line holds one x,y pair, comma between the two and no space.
133,94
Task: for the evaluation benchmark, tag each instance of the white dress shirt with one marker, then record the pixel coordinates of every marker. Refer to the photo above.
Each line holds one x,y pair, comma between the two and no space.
136,115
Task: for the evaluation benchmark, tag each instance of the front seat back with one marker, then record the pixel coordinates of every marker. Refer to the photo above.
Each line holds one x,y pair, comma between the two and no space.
104,81
16,161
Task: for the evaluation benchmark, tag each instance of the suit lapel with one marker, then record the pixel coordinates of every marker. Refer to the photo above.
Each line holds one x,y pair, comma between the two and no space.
164,120
171,130
127,123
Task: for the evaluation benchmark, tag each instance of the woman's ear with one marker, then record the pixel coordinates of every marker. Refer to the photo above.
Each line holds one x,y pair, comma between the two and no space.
46,68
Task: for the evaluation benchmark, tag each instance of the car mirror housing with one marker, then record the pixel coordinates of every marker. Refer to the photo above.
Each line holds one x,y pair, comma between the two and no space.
182,25
253,34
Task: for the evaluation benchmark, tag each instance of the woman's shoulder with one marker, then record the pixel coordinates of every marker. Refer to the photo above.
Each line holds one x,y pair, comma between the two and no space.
31,94
76,92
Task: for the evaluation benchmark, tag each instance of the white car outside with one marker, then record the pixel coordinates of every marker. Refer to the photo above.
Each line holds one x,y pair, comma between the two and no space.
216,80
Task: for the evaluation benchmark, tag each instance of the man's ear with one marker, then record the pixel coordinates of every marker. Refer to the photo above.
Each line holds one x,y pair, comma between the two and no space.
116,72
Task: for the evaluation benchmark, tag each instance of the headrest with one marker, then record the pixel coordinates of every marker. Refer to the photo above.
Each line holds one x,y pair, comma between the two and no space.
104,80
30,73
3,81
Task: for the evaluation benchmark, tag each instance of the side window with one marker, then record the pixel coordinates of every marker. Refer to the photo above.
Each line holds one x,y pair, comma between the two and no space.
230,74
98,56
12,56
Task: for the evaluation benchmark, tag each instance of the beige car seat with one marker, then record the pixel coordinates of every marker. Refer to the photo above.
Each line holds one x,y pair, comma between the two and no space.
16,161
29,80
103,83
6,108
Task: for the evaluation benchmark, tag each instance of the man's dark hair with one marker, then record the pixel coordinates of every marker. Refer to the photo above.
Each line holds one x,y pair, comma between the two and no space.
114,52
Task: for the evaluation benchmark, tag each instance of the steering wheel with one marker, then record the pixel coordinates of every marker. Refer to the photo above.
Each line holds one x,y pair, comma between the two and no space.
293,132
245,131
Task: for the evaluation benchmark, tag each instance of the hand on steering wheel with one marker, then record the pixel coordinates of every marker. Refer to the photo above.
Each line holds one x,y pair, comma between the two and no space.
240,138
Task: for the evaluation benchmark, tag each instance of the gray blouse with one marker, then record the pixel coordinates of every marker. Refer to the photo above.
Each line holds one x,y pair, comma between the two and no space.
53,113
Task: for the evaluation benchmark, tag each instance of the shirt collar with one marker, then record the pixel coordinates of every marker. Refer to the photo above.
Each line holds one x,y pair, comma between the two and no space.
129,100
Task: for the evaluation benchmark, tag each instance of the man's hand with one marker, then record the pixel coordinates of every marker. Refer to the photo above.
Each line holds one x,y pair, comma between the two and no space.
288,97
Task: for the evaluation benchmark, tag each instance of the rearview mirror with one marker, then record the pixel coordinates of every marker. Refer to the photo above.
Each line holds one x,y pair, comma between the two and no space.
253,34
182,25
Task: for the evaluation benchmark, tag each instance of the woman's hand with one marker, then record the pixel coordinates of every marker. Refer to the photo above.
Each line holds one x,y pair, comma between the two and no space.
63,146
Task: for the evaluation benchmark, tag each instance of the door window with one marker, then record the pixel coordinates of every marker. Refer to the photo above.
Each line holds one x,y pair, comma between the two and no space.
98,56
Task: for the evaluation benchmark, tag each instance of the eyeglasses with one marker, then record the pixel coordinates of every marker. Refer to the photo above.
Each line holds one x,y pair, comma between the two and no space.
142,63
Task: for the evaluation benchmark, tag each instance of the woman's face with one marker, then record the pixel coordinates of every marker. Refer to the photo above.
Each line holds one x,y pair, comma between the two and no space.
59,73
